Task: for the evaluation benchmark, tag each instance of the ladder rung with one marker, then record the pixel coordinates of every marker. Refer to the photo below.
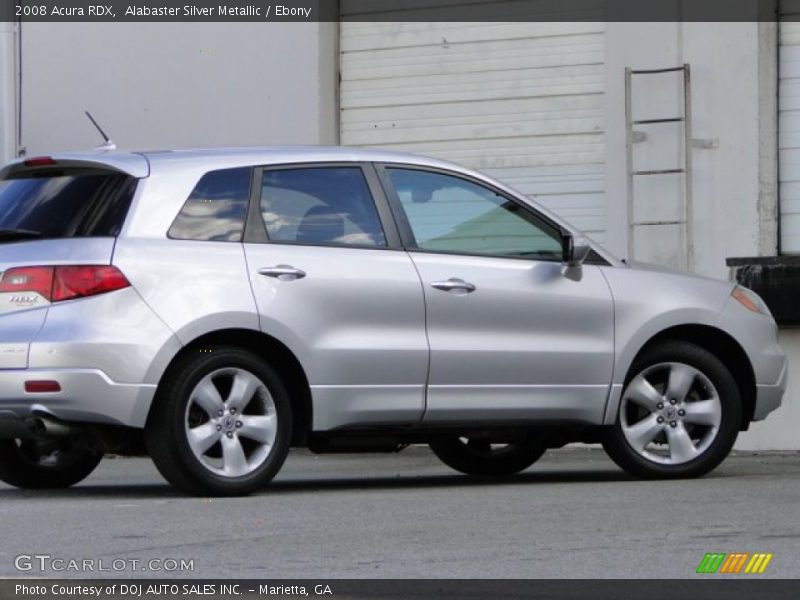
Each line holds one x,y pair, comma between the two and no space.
658,223
650,121
659,172
656,71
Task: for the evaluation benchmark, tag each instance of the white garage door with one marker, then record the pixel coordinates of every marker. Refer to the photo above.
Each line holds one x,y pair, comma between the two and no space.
522,102
789,135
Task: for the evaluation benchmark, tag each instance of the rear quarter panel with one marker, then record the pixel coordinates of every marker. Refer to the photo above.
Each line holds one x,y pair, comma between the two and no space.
20,322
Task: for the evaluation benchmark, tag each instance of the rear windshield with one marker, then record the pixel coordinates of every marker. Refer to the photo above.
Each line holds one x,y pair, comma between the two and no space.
65,205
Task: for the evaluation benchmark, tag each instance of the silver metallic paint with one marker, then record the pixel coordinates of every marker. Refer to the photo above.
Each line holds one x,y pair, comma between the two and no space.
356,322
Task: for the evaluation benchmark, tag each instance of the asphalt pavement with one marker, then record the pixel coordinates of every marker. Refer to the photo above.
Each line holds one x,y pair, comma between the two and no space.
573,514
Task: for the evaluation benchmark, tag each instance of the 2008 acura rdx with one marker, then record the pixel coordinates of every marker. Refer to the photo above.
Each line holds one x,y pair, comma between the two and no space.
224,305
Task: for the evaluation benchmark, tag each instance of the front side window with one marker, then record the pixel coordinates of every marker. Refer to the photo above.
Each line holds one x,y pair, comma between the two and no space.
216,208
320,205
450,214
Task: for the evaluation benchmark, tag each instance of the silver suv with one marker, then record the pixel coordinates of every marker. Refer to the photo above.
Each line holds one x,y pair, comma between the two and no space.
214,308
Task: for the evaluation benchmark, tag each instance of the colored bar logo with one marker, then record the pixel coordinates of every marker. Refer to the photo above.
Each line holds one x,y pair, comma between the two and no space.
734,563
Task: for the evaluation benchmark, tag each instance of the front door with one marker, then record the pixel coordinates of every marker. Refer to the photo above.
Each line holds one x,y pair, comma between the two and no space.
512,334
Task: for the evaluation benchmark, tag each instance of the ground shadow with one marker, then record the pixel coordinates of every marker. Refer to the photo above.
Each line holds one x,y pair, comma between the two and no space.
318,484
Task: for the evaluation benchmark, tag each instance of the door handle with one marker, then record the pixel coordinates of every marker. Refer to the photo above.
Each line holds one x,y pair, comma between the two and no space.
454,285
282,272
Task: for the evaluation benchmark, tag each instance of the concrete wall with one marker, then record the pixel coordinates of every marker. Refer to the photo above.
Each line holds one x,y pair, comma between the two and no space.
166,85
734,208
8,128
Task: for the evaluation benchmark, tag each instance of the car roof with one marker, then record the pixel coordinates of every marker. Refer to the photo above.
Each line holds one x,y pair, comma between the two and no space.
291,154
144,163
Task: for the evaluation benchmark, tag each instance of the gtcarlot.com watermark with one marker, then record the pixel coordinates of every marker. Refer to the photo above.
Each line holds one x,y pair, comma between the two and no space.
47,562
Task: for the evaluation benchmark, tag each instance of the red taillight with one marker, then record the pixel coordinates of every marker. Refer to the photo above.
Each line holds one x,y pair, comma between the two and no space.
28,279
39,161
77,282
63,282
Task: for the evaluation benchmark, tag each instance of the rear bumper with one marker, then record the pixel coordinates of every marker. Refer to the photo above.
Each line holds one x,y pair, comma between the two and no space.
769,396
87,395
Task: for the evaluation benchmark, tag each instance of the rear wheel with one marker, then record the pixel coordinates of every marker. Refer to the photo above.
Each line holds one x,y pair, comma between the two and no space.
476,456
46,463
221,425
679,414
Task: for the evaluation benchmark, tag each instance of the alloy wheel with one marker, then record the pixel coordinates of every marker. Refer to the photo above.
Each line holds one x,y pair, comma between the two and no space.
670,413
231,422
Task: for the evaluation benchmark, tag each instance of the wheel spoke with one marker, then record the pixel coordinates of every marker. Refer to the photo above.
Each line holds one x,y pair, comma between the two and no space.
703,412
681,378
260,428
643,432
202,437
207,397
242,390
243,422
643,393
233,458
681,446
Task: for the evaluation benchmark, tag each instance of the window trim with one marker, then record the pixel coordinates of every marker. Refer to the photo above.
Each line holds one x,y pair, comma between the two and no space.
404,226
255,231
194,187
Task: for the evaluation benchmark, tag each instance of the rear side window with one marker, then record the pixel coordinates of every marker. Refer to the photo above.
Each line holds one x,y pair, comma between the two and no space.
320,205
216,208
66,205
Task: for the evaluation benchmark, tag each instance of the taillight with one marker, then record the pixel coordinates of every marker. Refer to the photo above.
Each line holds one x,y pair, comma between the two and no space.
77,282
28,279
63,282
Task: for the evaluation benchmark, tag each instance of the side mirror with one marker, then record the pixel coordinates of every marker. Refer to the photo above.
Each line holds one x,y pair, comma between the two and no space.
576,249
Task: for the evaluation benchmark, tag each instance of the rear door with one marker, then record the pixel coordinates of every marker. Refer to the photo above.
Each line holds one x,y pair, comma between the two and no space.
51,214
332,280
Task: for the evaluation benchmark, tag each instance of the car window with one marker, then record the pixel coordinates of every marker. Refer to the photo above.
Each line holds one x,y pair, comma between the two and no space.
216,208
450,214
66,204
320,205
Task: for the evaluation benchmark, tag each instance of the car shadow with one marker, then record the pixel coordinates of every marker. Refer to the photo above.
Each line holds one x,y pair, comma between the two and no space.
318,484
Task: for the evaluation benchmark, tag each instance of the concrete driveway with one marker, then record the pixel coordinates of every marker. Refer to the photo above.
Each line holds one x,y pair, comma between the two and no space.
574,514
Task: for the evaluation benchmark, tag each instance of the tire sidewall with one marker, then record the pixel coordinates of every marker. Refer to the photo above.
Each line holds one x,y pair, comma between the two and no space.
730,399
452,452
20,471
179,396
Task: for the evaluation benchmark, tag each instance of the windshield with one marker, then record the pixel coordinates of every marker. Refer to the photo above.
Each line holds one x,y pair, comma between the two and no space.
64,205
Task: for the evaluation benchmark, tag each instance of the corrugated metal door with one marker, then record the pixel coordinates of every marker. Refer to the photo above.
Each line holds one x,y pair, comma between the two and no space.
522,102
789,133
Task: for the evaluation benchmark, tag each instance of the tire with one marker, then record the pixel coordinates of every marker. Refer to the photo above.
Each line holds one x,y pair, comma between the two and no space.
481,458
221,423
46,463
688,437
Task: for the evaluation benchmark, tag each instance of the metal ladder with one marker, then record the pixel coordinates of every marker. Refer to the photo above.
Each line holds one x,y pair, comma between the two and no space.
633,137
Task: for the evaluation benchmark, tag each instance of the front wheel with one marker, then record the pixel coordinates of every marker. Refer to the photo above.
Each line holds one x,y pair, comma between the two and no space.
46,463
221,424
476,456
679,414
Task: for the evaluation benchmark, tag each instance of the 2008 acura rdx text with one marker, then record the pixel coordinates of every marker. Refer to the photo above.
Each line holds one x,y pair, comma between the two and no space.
217,307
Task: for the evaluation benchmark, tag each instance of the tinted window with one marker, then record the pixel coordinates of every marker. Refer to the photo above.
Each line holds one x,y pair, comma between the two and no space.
325,205
450,214
66,205
216,208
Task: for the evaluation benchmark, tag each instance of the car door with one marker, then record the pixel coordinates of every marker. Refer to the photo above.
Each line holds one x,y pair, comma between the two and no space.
332,281
513,335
